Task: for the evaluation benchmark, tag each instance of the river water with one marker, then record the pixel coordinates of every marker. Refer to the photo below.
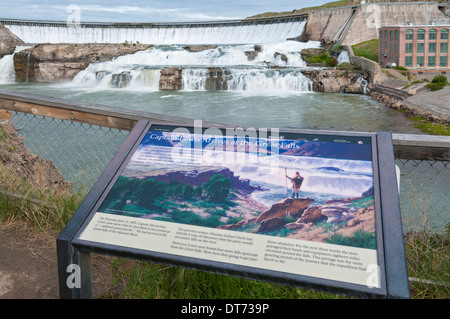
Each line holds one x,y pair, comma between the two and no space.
253,94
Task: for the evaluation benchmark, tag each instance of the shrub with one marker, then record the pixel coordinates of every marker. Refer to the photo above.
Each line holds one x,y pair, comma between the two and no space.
400,68
435,86
440,79
438,82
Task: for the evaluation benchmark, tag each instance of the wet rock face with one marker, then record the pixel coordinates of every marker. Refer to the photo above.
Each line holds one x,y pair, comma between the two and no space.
336,81
61,62
199,48
121,80
170,79
8,41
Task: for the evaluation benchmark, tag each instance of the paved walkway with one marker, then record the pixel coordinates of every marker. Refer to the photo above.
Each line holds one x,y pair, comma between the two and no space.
437,102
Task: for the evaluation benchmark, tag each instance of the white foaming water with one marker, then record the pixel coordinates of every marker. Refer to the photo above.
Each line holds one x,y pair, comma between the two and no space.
7,74
322,175
249,80
275,68
214,33
343,57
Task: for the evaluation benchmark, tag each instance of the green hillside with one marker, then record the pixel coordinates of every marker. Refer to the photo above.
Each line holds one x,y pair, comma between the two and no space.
333,4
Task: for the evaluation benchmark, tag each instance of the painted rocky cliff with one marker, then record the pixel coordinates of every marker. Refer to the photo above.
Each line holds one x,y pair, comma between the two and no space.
298,218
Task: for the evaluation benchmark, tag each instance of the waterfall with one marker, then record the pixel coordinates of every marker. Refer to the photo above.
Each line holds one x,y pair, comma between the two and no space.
7,73
364,84
103,76
162,34
349,178
246,80
343,57
28,66
275,67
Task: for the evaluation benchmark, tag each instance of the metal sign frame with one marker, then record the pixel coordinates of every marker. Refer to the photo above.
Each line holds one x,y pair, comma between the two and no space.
74,253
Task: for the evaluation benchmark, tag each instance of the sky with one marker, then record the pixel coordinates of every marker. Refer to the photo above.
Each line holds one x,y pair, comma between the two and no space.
145,11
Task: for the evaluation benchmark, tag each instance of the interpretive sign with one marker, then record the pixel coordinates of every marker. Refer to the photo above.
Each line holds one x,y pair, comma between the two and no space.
303,208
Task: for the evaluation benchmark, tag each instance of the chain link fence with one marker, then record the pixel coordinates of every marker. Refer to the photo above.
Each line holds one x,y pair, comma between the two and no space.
53,155
70,155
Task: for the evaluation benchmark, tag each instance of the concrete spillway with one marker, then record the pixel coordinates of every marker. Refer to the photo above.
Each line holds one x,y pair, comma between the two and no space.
219,32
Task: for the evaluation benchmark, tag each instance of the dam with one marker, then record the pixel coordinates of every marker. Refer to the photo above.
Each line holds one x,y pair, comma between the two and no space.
259,31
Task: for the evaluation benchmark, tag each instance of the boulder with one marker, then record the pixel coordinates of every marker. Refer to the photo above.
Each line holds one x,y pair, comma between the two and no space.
251,55
270,224
335,81
338,212
217,78
170,79
295,225
286,207
282,56
312,214
199,48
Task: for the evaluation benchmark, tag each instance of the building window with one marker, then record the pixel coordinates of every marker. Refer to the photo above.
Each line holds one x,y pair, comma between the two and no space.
408,61
408,48
420,60
443,60
421,34
432,34
396,35
396,49
444,47
432,47
444,34
409,34
420,46
431,60
392,36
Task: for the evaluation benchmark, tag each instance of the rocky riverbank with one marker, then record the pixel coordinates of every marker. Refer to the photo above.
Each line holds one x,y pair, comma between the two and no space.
415,100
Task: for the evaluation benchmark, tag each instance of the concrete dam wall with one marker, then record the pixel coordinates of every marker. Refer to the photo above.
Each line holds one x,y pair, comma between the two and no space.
351,25
248,31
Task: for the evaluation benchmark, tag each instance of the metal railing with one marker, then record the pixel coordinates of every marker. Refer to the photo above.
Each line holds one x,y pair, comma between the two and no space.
72,142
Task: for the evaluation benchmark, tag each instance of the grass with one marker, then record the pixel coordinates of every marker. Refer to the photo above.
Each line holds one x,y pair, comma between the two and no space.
427,258
50,212
333,4
142,280
431,127
367,49
323,58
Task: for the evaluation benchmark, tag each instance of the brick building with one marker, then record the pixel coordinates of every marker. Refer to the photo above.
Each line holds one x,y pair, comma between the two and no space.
418,47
